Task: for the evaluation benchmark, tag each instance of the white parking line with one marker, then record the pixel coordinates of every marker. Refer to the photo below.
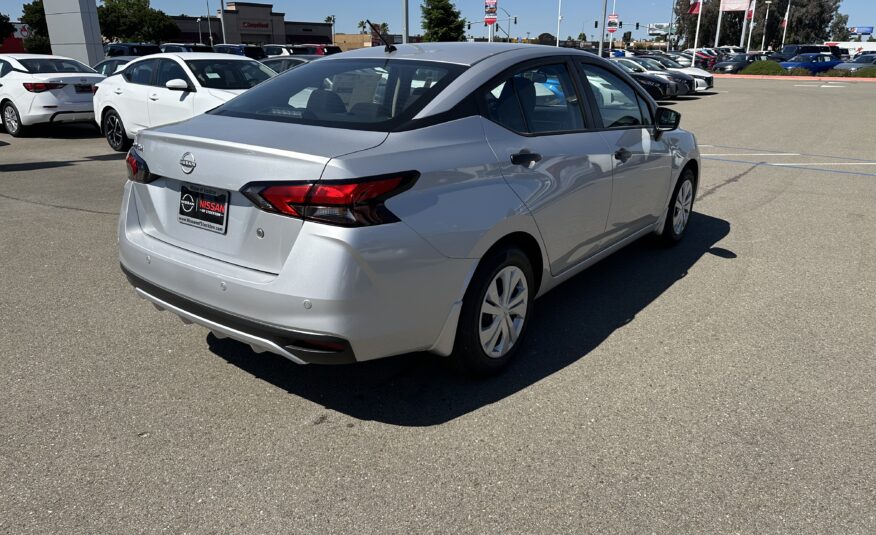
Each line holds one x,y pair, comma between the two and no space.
819,164
836,86
755,154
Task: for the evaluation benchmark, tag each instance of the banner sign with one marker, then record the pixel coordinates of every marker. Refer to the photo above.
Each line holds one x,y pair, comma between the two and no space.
658,29
734,5
490,11
861,30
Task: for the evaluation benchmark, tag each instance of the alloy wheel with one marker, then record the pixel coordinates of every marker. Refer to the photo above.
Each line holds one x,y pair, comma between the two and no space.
503,311
10,119
681,210
114,132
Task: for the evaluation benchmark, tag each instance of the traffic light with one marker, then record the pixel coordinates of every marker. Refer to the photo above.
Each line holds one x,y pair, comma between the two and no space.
515,20
620,24
469,26
596,24
637,25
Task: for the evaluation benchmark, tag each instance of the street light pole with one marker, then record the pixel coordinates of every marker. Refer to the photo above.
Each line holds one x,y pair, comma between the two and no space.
406,21
602,30
720,17
787,23
200,39
209,26
222,19
766,19
611,35
751,26
671,22
559,20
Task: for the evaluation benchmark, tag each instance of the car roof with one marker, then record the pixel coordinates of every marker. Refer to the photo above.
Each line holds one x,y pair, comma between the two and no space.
458,53
196,55
33,56
120,58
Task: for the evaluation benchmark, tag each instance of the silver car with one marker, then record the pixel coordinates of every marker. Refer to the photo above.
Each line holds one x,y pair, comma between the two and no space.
383,202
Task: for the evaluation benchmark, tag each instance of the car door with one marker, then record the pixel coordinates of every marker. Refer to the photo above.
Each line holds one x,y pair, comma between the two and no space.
642,163
550,156
168,105
129,96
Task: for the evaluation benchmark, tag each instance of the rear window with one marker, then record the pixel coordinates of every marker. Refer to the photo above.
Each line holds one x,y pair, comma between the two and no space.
254,52
229,73
51,65
201,48
332,50
144,50
363,94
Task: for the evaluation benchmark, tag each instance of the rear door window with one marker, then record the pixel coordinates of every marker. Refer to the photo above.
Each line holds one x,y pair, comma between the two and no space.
140,72
536,100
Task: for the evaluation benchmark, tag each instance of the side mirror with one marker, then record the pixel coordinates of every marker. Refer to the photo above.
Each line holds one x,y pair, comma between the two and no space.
667,120
177,85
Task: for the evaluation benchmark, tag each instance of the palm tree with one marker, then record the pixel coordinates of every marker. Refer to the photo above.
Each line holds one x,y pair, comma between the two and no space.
384,28
361,25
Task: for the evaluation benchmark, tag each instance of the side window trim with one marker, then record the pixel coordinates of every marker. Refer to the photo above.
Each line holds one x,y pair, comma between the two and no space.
564,60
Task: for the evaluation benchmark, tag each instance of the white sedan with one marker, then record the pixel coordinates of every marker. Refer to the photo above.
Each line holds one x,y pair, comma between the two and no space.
36,88
168,88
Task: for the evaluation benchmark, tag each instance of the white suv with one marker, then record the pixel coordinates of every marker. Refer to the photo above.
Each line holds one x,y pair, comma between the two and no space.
167,88
35,88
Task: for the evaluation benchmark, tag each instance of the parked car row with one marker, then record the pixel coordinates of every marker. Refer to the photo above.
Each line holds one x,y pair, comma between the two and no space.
251,51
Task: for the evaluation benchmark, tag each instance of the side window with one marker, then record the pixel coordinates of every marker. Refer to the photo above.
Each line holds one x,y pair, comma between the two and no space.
538,100
140,72
5,68
618,103
170,70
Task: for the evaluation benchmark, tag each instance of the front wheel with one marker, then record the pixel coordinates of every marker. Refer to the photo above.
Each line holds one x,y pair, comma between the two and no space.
496,310
12,121
680,206
114,131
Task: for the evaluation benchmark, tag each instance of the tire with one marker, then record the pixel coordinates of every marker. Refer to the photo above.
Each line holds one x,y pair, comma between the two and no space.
680,208
114,131
487,293
12,120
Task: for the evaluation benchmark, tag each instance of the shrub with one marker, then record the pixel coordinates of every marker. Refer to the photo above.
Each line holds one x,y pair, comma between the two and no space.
766,68
799,71
833,73
869,72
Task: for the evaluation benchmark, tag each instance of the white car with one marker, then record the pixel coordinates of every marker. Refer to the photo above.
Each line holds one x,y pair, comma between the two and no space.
704,79
36,88
168,88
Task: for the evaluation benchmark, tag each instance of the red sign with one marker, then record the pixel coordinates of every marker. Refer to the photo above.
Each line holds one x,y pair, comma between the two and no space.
490,20
611,27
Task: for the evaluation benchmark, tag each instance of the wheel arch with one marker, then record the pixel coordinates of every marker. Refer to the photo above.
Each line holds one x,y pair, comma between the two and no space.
527,243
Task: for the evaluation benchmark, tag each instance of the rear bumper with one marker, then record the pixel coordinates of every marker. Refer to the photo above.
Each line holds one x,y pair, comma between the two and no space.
53,116
298,346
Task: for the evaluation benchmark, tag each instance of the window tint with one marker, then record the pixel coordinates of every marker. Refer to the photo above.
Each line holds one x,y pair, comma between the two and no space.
618,103
5,68
229,73
273,50
537,100
140,72
170,70
366,94
51,65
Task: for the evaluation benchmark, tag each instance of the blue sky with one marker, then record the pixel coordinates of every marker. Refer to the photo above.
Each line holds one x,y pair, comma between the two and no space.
533,16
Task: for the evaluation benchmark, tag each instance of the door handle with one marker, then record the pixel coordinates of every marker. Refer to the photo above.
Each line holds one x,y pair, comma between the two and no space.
622,155
525,158
118,91
153,96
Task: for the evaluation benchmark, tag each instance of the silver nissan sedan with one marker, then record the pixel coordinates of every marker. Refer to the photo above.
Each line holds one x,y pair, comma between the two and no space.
386,201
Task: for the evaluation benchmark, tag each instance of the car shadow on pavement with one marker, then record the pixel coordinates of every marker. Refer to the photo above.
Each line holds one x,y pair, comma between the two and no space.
422,390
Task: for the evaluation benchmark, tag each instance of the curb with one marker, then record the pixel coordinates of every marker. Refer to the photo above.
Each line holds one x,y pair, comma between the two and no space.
798,78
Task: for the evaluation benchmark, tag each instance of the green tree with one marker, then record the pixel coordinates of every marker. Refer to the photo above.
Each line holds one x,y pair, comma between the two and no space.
6,27
839,28
442,21
134,20
34,17
361,26
383,27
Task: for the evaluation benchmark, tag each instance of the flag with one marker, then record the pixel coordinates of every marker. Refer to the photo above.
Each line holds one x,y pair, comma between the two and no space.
734,5
695,8
784,23
750,14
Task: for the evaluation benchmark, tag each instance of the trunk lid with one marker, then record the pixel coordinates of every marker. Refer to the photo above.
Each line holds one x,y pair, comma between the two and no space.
229,153
77,86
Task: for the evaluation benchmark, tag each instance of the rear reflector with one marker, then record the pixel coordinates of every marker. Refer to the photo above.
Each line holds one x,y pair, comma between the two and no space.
39,87
347,203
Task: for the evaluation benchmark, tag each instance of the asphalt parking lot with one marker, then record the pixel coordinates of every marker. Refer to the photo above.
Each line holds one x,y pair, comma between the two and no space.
727,384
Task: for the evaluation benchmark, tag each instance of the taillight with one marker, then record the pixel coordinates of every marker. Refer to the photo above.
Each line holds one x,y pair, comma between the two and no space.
39,87
94,89
138,171
347,203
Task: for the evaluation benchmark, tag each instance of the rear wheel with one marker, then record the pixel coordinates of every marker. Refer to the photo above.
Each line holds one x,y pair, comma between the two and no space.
680,207
12,120
114,131
495,313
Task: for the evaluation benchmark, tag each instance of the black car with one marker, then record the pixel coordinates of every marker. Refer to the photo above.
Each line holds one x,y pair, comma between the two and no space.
789,51
130,49
250,51
659,87
739,62
654,67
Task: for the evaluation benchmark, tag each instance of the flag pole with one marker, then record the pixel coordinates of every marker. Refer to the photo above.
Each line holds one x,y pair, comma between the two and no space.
787,23
697,34
720,16
751,26
744,25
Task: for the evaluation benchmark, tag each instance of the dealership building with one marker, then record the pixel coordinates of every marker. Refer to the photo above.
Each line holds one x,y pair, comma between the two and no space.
252,23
